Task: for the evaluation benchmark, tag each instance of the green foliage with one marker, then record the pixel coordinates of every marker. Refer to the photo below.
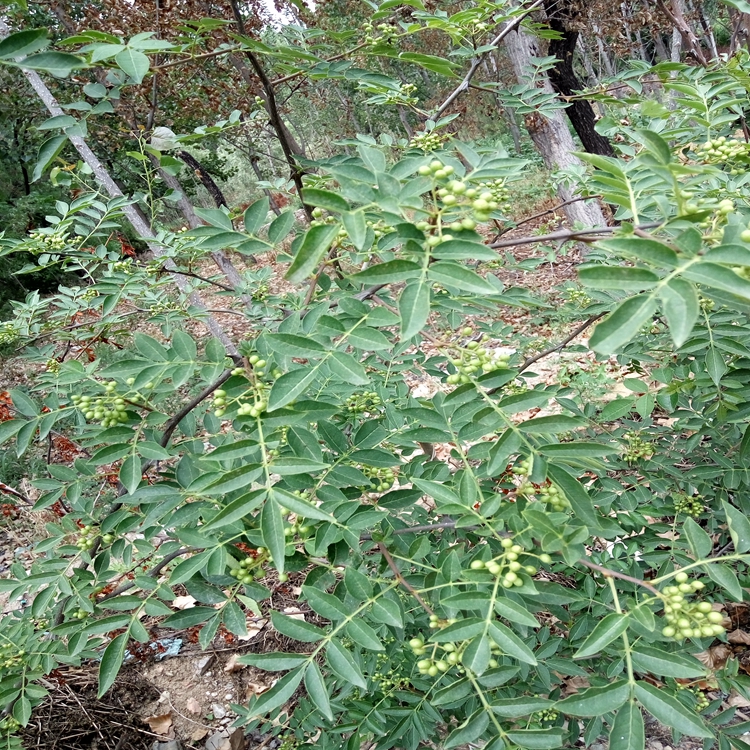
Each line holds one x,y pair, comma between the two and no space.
449,596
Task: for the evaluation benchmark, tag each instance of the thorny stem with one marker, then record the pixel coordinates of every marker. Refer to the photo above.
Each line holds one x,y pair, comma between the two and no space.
609,574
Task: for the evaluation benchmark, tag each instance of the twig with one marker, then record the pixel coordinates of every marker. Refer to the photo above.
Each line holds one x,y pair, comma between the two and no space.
15,493
464,85
449,524
172,423
586,323
392,565
151,573
550,211
202,56
203,278
607,573
568,234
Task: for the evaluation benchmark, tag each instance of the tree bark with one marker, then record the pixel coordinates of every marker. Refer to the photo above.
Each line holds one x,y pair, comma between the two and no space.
565,82
208,182
550,132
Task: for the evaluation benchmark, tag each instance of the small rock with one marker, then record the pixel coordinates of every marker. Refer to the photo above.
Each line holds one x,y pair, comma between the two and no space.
228,697
169,745
218,711
225,739
656,746
203,664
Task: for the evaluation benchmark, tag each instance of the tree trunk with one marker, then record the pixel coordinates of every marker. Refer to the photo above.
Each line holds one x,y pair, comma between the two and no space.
565,82
208,182
550,133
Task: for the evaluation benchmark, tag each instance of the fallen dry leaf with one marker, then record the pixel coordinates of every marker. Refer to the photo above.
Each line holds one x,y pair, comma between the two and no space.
714,657
198,734
293,612
193,706
739,636
253,628
161,724
184,602
574,684
737,701
232,665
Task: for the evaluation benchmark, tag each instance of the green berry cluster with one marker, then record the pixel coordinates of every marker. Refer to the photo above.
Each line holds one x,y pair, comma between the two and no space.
428,141
479,26
9,724
506,566
260,293
383,33
300,526
724,150
52,365
553,496
637,448
546,714
379,228
689,619
436,169
9,334
109,409
359,403
473,358
10,655
578,297
523,467
390,680
251,568
124,266
87,537
691,505
80,614
50,243
701,700
380,479
498,191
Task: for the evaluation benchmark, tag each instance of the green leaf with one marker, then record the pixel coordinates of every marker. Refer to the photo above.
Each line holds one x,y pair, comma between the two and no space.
609,628
388,612
280,227
48,152
277,696
510,643
680,305
621,325
325,199
551,425
23,43
255,216
651,251
537,739
23,404
311,251
133,63
58,64
655,144
628,731
275,662
462,630
502,449
715,365
595,701
368,339
342,663
237,509
699,541
188,568
289,387
623,278
739,527
9,429
357,584
469,731
326,605
272,529
362,634
666,663
522,705
316,690
348,369
718,277
726,578
356,227
295,346
234,619
131,474
300,506
111,662
464,250
414,308
455,275
388,273
430,62
297,629
476,656
22,714
668,710
510,610
236,479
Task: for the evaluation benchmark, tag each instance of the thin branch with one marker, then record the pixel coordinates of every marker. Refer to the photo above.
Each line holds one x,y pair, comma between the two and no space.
172,423
203,278
449,524
392,565
607,573
552,210
586,323
202,56
464,85
587,235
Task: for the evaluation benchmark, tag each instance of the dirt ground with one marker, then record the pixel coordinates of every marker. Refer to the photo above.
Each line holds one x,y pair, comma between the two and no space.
178,692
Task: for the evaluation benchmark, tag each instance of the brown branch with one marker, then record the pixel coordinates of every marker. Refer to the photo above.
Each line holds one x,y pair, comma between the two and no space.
172,423
607,573
552,210
464,85
202,56
586,235
399,577
203,278
586,323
